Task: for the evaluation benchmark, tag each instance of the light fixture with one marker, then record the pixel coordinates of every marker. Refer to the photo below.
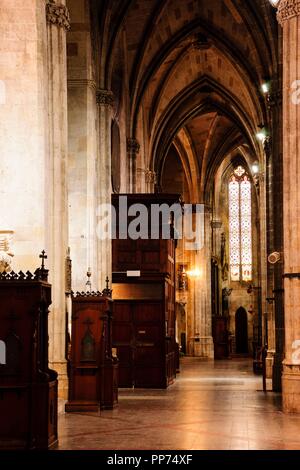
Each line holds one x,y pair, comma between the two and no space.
262,133
196,272
255,168
265,87
274,3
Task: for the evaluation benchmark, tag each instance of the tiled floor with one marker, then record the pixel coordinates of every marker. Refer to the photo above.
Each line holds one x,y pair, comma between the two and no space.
212,405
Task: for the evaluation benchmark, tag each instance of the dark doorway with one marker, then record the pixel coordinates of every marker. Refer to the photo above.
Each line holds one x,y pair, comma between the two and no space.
241,331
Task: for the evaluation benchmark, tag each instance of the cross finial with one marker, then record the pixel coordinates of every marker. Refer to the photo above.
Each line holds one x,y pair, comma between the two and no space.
43,256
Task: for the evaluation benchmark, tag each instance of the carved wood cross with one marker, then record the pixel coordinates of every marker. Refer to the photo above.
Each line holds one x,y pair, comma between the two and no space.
43,256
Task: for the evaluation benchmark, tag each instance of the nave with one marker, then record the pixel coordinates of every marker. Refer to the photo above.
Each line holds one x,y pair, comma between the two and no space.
213,405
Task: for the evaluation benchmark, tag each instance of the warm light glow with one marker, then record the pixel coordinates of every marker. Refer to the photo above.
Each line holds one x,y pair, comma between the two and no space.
261,135
265,87
274,3
194,272
255,168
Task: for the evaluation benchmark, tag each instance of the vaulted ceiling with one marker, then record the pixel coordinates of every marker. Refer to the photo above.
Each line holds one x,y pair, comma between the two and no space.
193,68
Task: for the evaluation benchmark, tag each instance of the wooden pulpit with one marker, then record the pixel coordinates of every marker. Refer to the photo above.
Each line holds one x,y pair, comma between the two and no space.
28,388
93,372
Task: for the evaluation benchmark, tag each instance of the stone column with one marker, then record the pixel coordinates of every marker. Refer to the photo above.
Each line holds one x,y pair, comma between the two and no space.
58,23
83,127
133,148
23,135
216,226
289,18
202,295
82,180
276,235
270,218
218,237
105,101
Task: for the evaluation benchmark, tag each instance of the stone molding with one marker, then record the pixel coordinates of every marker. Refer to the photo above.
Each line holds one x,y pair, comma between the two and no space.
5,252
288,9
81,83
105,98
291,370
58,15
216,224
150,177
133,146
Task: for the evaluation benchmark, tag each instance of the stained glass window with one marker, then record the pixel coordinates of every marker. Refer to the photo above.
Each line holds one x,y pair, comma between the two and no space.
240,226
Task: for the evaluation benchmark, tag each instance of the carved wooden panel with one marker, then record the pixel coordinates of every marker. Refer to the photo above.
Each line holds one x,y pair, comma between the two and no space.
28,388
93,370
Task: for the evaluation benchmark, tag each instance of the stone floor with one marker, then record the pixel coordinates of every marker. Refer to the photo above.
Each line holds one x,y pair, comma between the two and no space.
212,405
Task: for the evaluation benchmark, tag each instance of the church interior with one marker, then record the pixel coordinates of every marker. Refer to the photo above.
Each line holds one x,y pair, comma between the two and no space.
117,343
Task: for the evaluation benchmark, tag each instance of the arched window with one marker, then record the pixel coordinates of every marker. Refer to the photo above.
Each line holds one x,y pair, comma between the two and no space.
240,225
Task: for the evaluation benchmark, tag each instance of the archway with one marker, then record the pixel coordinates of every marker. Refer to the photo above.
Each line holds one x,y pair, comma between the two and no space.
241,331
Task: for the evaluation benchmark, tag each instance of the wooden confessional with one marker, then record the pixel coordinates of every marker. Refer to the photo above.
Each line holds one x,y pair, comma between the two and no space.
144,303
93,371
28,388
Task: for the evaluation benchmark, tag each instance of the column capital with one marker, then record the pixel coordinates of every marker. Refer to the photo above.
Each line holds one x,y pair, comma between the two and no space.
216,224
287,9
150,177
81,83
105,98
5,252
133,146
58,14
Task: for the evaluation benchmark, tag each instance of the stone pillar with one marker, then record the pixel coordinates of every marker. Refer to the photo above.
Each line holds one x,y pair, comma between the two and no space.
276,235
83,127
82,180
202,295
270,218
216,226
23,135
58,23
289,18
133,148
105,101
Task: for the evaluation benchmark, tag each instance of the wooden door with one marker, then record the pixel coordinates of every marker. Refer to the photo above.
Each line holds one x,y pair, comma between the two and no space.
123,340
139,336
149,339
220,335
241,331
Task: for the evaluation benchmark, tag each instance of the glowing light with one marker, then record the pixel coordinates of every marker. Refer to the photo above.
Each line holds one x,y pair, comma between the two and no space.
194,273
255,168
274,3
261,135
265,87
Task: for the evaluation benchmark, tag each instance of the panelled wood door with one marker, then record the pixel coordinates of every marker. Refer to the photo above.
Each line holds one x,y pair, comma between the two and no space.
139,336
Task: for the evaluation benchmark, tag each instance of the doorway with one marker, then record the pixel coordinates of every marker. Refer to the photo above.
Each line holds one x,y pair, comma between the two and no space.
241,331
